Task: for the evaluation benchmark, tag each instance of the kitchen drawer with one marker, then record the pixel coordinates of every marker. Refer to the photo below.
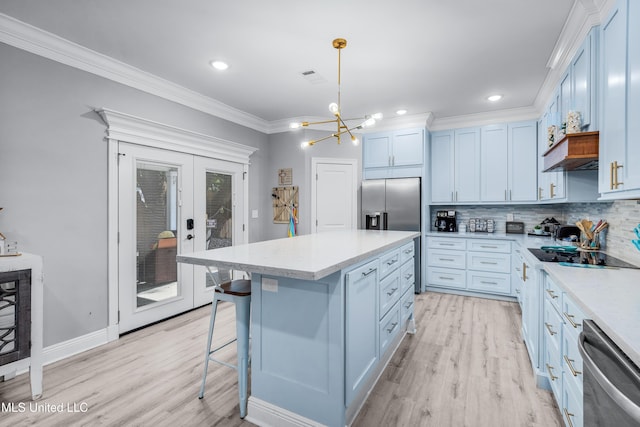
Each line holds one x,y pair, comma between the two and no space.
444,258
482,245
552,328
495,283
572,408
407,252
495,262
573,317
447,278
553,366
572,361
553,292
406,306
407,275
389,262
447,243
389,327
389,292
359,273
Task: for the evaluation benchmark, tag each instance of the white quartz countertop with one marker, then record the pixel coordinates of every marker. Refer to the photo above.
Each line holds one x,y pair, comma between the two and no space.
523,239
308,257
610,297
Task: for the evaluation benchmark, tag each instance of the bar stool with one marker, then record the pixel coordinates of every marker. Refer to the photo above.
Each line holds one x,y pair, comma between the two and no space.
239,293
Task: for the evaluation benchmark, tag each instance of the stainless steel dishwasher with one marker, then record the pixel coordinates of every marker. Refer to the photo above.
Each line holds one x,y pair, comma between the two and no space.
611,381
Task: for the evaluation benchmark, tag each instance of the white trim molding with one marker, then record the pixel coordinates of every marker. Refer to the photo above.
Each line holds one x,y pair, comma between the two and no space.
48,45
266,414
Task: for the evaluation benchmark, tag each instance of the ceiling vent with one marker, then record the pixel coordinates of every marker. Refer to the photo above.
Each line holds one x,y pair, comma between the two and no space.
313,77
576,151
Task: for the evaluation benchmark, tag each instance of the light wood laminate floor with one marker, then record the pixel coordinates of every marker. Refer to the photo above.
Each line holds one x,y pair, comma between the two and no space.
466,366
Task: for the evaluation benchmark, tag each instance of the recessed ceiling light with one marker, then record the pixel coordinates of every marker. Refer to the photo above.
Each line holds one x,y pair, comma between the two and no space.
219,65
401,112
494,98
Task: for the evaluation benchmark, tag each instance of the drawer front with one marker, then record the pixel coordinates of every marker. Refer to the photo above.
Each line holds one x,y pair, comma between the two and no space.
389,327
406,306
407,275
407,252
480,245
572,361
361,272
552,327
571,409
553,366
553,292
389,262
572,316
499,263
450,259
390,290
447,243
447,278
495,283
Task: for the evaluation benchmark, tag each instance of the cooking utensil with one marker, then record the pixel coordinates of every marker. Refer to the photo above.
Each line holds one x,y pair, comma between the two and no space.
572,264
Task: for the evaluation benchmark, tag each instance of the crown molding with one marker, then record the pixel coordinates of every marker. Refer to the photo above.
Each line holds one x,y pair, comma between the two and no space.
136,130
481,119
43,43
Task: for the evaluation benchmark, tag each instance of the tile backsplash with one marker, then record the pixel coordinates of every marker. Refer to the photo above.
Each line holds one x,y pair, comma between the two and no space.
622,216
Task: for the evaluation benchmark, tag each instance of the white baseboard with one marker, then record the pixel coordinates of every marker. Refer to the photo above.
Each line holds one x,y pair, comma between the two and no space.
56,352
265,414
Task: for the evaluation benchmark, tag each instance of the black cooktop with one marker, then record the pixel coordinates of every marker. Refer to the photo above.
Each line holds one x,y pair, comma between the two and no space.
580,257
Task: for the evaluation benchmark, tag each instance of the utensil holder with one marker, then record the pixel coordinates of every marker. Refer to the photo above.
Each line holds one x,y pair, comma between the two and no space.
592,244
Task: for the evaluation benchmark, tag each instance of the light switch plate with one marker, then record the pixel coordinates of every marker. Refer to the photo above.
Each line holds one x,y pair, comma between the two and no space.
510,217
254,213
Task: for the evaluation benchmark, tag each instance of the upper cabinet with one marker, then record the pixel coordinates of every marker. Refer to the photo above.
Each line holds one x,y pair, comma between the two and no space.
620,102
495,163
583,80
394,154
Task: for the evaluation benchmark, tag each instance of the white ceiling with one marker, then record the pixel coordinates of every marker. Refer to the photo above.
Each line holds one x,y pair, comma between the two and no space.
442,57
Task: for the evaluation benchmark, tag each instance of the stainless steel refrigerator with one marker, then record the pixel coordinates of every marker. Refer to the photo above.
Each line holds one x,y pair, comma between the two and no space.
394,204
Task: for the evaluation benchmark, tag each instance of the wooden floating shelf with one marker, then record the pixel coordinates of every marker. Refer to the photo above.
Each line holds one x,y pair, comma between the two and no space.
576,151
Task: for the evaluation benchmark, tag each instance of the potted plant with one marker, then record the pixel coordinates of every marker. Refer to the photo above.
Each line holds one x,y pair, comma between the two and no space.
537,229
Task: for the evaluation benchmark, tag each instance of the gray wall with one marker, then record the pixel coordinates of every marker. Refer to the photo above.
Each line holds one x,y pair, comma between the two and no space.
53,177
285,152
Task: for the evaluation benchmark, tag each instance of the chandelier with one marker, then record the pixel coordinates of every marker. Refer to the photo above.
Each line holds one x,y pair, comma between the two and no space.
334,108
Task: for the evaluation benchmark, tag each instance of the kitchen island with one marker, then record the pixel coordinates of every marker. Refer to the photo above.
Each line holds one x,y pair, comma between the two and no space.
328,311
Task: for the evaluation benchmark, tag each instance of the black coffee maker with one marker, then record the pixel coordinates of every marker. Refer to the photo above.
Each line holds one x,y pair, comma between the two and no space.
446,221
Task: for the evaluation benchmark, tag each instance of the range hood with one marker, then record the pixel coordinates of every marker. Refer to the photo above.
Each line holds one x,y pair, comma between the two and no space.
576,151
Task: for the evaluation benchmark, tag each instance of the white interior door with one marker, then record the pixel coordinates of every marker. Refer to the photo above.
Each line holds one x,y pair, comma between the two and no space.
334,194
219,220
155,195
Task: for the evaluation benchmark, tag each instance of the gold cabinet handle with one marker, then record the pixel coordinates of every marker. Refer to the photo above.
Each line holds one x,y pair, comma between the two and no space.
570,319
524,272
539,193
551,193
552,294
571,368
568,416
550,370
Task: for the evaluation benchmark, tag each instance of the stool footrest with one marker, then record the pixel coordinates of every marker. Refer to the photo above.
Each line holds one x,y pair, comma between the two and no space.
229,365
223,345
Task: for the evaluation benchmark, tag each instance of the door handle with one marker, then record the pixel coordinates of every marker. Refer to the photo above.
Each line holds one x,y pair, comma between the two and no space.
190,236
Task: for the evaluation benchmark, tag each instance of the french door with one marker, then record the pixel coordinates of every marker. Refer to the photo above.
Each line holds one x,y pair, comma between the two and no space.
171,203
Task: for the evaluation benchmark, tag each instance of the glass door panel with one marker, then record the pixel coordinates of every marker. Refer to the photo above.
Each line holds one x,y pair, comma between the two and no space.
155,198
218,207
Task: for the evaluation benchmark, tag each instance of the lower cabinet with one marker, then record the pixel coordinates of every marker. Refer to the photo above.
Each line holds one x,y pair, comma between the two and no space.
562,326
471,264
379,297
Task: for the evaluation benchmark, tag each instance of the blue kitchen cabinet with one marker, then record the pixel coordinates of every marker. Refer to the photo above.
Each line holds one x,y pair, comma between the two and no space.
466,165
442,166
361,327
494,157
620,102
397,154
565,104
583,71
522,175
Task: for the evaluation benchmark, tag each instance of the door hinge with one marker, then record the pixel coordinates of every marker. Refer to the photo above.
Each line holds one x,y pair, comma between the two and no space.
118,316
242,227
316,222
316,177
244,176
118,237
